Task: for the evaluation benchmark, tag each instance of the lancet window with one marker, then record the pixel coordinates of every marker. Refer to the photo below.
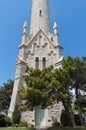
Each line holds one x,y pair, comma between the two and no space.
40,12
43,62
37,62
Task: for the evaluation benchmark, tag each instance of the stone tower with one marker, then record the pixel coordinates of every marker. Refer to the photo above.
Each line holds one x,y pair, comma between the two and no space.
38,49
40,18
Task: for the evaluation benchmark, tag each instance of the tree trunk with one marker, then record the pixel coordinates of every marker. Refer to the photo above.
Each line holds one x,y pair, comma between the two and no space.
79,108
70,115
80,116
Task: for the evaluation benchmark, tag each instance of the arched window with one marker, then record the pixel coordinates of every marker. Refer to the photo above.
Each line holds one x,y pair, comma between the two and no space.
37,62
43,62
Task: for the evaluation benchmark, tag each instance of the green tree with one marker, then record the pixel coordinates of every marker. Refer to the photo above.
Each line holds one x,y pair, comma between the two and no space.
63,93
45,87
5,95
38,89
76,68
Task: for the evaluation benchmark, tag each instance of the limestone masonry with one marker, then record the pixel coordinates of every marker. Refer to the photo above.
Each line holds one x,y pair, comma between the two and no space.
38,49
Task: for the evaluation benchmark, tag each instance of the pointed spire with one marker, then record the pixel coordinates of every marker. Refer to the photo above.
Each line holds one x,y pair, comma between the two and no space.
25,27
24,35
56,35
55,27
25,24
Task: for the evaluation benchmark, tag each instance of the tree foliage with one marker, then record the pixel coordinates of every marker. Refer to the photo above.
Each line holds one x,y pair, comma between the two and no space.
76,68
4,121
5,95
46,87
39,87
16,115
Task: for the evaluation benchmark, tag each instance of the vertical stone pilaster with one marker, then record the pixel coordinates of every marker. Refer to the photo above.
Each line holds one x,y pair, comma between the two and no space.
20,70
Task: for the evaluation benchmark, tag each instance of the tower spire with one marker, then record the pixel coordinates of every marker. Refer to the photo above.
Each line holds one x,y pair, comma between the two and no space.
24,35
40,18
55,27
56,35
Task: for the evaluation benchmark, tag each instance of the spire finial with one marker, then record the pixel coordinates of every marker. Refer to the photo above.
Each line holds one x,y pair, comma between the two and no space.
55,24
54,19
24,36
25,24
55,27
25,27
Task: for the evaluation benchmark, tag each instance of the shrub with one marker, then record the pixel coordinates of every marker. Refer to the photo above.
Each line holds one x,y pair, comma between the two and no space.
7,121
16,115
32,126
2,120
56,124
64,119
14,125
23,123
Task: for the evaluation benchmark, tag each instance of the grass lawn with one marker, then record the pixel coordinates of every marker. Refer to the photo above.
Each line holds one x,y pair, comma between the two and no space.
50,129
68,129
16,129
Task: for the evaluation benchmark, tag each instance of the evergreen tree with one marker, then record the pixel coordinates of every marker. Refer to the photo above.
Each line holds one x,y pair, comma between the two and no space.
76,68
45,87
5,95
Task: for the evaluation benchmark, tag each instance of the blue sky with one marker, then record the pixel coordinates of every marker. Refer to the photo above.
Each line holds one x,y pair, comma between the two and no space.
71,20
